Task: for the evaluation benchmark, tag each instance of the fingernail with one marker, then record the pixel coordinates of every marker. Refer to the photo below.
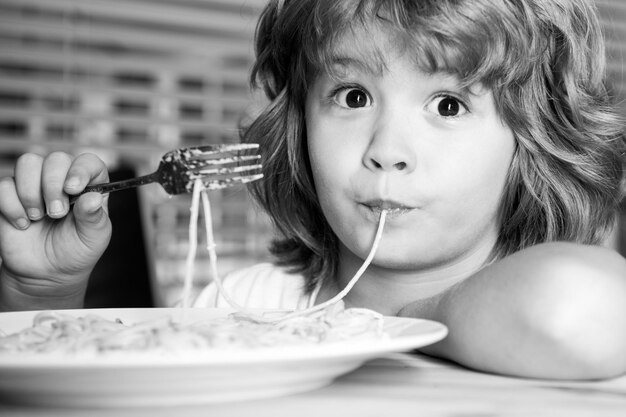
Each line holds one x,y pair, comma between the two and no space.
34,214
22,223
55,208
72,182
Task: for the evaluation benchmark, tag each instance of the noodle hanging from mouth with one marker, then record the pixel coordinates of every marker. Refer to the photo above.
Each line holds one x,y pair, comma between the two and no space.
243,311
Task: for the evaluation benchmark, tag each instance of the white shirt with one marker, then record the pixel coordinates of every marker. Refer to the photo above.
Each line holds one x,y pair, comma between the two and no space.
264,286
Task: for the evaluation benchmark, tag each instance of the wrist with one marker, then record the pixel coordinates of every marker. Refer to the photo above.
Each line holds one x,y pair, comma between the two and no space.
20,293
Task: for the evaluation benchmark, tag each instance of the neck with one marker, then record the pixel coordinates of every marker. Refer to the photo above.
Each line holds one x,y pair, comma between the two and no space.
387,289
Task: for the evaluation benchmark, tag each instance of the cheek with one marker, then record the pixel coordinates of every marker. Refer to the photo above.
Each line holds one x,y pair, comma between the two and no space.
329,174
492,180
333,153
323,162
479,175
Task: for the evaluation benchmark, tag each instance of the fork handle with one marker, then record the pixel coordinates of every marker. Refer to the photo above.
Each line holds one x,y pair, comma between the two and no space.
109,187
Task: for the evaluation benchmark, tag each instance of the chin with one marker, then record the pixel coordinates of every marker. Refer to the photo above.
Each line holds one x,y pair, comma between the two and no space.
402,259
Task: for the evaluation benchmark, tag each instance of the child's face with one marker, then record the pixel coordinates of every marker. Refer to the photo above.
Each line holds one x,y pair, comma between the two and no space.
434,154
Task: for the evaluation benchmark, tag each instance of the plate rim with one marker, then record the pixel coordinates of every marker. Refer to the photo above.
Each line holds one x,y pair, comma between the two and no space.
430,331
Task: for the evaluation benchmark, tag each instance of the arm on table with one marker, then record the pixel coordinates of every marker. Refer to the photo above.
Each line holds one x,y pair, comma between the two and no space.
556,310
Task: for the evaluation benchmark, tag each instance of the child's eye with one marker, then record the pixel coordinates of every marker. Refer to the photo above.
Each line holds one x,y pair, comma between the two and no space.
352,98
446,105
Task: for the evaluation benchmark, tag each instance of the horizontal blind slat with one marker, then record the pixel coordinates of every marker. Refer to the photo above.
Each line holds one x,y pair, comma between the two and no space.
122,120
194,45
173,15
207,69
37,87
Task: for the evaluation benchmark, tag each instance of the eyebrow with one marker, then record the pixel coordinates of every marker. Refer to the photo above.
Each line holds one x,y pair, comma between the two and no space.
341,62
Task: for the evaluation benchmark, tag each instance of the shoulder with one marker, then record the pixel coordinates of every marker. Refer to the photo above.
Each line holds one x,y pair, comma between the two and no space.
567,261
262,285
566,278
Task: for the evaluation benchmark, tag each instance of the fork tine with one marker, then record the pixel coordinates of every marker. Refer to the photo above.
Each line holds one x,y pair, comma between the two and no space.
216,184
232,161
207,150
224,170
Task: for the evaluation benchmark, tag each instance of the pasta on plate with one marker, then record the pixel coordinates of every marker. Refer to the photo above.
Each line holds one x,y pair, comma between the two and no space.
54,332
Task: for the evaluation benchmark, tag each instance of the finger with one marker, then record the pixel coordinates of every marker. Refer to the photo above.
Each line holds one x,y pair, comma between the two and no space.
86,169
53,175
28,184
92,222
10,205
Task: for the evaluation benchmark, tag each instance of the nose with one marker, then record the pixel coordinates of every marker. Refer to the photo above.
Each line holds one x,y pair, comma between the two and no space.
397,166
390,148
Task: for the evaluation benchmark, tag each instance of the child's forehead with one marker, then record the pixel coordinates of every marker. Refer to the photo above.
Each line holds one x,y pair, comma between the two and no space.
347,57
371,50
368,49
350,55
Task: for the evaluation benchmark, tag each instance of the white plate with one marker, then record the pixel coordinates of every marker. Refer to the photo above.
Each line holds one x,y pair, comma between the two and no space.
142,379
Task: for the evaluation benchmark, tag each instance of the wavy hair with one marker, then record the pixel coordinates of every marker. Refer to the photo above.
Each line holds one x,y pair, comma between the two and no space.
543,60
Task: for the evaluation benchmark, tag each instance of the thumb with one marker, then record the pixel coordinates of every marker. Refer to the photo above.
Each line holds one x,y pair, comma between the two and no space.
93,225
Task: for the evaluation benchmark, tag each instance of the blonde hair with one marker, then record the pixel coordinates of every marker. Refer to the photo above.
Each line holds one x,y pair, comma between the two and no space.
544,62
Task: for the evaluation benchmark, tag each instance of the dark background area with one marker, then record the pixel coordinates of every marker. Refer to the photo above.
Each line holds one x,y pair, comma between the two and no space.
121,278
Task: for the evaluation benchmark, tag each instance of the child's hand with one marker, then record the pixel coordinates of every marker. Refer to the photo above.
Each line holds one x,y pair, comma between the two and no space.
47,247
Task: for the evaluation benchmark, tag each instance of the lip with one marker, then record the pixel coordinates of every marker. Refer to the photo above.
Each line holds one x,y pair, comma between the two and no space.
393,208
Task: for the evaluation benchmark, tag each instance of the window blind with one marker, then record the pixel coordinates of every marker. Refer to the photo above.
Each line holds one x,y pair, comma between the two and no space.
139,75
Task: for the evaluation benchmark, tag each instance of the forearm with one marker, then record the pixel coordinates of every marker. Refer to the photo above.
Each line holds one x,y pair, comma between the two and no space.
18,294
536,317
484,331
490,332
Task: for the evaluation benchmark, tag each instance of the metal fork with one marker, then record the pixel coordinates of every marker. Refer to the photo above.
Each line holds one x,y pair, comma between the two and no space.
217,166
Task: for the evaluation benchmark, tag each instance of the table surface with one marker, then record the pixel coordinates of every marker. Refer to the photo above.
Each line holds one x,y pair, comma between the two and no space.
403,385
